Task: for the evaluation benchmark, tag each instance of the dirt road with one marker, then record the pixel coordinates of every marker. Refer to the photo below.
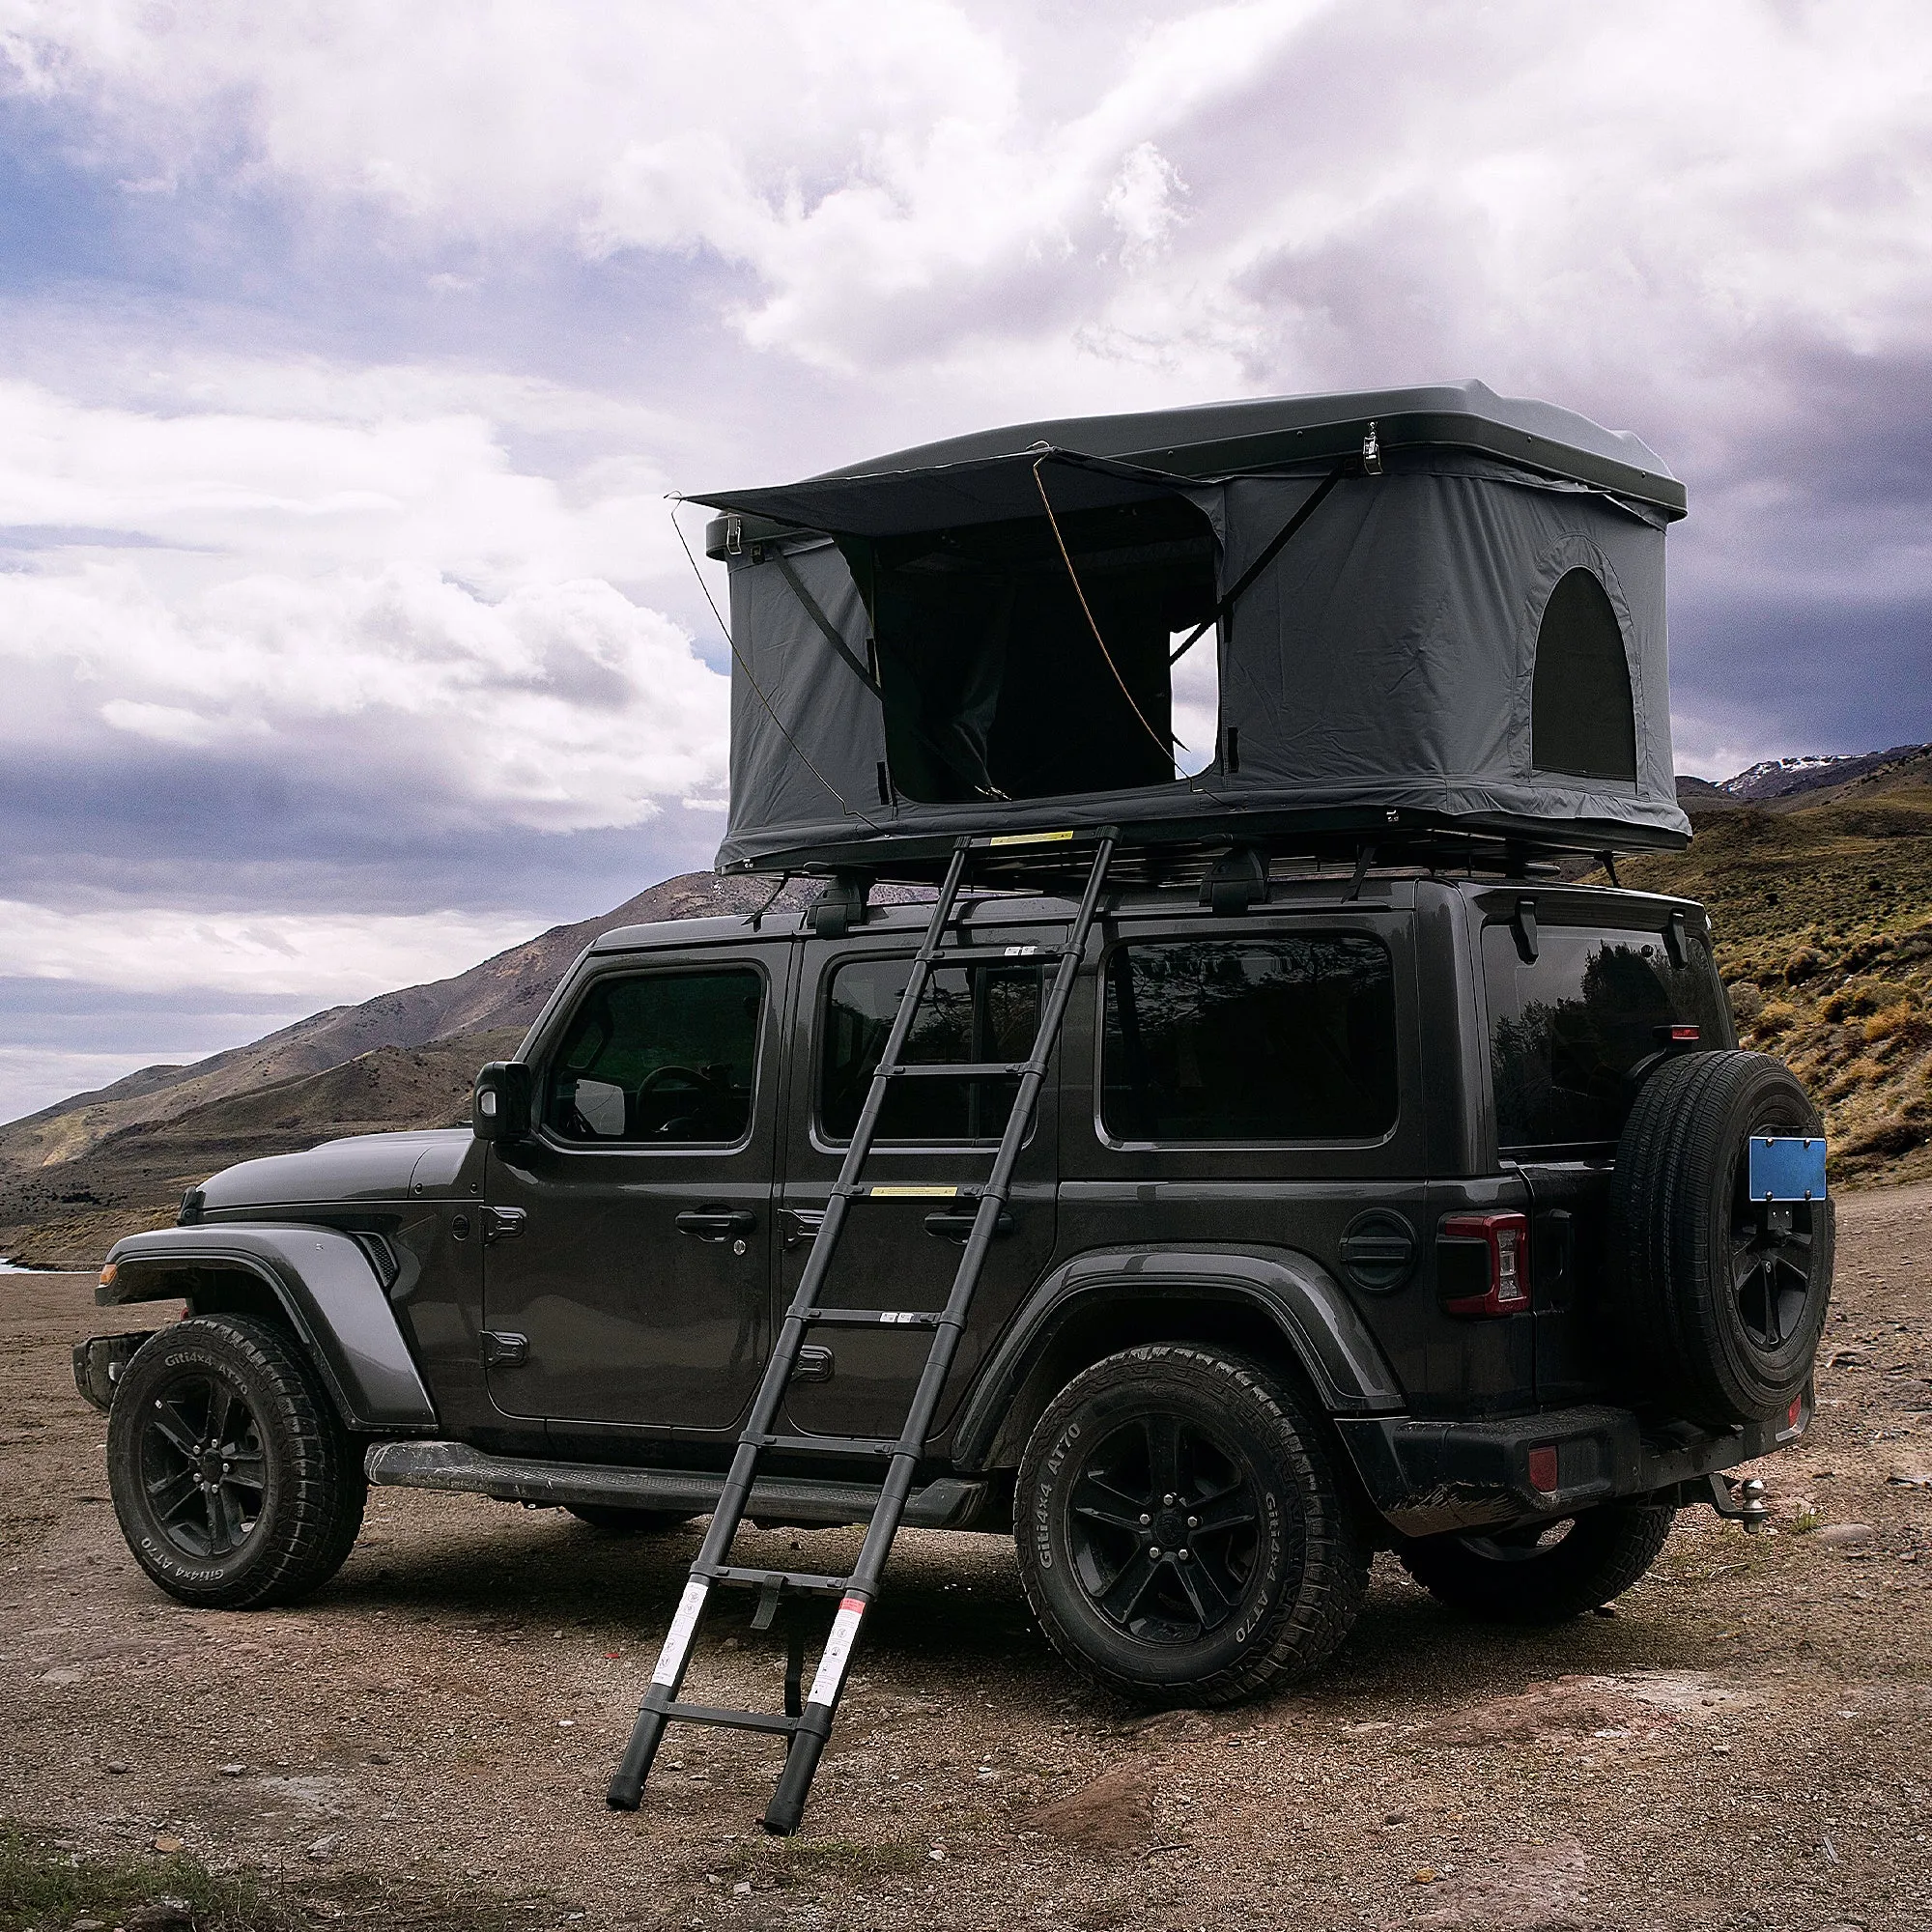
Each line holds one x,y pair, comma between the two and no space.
1743,1745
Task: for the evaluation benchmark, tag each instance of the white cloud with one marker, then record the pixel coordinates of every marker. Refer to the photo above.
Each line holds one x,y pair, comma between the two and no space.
328,961
1558,191
382,598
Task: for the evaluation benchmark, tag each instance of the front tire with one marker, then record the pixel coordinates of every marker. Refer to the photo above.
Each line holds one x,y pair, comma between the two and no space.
1543,1572
1182,1537
235,1483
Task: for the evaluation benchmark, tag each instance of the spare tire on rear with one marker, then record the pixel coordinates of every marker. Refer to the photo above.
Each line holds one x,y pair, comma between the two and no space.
1723,1298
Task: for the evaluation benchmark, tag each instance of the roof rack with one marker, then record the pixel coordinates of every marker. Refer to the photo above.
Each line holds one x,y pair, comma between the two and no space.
1166,855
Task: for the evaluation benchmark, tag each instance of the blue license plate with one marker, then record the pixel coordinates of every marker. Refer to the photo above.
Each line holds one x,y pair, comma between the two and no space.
1786,1168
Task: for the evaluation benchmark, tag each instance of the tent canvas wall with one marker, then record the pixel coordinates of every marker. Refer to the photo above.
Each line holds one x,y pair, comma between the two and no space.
1432,608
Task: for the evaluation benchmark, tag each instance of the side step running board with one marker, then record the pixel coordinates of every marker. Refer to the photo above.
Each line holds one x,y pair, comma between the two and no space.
950,1502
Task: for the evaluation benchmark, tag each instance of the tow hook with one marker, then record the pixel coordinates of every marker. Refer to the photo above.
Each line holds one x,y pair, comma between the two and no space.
1741,1501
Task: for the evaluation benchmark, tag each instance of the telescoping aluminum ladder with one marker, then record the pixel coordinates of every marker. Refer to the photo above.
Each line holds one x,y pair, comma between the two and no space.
808,1723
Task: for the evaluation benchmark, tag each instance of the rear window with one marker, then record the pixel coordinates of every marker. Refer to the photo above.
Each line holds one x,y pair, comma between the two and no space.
1567,1026
1286,1038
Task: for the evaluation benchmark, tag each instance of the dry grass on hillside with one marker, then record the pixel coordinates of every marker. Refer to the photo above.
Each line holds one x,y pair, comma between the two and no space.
1823,921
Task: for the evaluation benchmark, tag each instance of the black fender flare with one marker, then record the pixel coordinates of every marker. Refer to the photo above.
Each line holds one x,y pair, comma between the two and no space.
325,1283
1343,1362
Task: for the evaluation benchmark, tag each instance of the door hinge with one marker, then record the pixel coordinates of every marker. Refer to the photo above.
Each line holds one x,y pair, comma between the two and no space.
502,1224
503,1351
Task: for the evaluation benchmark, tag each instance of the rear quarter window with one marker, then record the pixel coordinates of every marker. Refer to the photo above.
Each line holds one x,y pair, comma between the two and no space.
1566,1028
1277,1039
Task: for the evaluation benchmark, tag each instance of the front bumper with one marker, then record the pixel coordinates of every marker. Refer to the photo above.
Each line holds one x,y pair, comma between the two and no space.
1428,1478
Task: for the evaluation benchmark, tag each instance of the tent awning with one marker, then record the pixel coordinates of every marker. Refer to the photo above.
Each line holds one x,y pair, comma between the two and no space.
951,495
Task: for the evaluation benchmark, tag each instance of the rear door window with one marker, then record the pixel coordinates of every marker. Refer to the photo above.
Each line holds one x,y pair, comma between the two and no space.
1566,1028
1285,1039
971,1013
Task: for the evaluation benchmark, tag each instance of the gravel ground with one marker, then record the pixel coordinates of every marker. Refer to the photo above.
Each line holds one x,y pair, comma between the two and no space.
1743,1744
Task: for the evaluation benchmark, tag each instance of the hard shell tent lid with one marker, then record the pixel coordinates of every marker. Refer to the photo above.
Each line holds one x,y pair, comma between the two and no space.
1432,610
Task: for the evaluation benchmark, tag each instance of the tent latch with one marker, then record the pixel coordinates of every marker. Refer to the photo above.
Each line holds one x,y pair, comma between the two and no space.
734,534
1371,453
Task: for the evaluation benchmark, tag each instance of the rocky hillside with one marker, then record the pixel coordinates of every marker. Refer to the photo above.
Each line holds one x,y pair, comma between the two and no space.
1822,904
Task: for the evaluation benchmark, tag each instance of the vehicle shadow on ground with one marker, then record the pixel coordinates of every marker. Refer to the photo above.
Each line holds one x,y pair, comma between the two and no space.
954,1612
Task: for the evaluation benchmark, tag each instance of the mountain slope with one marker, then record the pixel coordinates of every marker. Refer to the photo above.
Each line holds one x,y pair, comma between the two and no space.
75,1175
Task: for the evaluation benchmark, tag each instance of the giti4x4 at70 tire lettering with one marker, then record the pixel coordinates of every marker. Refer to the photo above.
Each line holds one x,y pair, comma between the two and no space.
1724,1298
235,1483
1182,1537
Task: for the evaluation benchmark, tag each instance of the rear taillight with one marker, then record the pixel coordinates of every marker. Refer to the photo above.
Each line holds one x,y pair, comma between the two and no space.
1484,1264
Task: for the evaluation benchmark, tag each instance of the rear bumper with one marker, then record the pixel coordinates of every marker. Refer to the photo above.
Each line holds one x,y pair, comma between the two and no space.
1427,1478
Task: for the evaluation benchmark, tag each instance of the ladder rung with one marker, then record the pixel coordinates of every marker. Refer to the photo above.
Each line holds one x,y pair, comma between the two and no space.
829,1445
733,1720
956,1070
760,1579
873,1318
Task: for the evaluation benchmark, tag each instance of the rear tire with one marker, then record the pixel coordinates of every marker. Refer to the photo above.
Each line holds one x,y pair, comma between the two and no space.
233,1480
1514,1577
1723,1299
615,1521
1182,1537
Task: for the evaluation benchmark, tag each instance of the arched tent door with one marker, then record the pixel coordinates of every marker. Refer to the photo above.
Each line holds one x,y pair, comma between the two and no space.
1583,721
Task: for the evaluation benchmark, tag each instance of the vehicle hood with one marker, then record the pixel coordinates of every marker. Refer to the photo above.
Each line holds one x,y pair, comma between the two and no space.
365,1167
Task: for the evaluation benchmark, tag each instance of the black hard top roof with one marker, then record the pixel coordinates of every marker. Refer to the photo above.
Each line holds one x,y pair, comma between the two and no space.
1226,439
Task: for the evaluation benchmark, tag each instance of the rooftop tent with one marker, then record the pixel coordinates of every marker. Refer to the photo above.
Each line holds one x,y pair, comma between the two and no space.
1438,608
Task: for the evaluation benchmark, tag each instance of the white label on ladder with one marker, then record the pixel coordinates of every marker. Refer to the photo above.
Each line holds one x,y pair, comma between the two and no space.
678,1639
831,1673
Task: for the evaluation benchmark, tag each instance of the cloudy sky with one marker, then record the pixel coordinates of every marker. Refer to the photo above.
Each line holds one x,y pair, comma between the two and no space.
349,349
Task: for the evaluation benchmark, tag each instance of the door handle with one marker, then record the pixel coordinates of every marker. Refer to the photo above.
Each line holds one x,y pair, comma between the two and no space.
502,1224
715,1224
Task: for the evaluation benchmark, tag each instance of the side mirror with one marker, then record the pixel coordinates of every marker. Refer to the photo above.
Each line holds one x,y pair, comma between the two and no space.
500,1110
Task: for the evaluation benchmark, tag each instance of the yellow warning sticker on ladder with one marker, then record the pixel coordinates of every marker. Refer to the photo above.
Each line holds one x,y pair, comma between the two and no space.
881,1191
1030,838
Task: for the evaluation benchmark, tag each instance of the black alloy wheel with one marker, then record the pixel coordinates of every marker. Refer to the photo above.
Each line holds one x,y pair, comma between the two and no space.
1771,1261
233,1480
1166,1528
201,1464
1182,1534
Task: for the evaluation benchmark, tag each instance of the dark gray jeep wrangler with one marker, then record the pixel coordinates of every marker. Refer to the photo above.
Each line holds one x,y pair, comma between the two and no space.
1379,1185
1406,1210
